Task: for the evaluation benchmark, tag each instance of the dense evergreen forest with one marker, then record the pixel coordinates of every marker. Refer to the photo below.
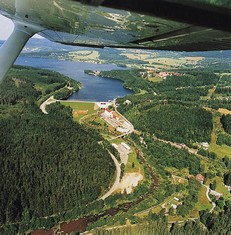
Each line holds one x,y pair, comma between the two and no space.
226,122
173,122
189,80
225,137
45,83
48,163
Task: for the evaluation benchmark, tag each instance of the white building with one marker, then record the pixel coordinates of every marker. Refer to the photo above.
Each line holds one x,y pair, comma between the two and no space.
108,113
174,206
177,199
122,130
126,124
125,146
103,105
205,145
127,102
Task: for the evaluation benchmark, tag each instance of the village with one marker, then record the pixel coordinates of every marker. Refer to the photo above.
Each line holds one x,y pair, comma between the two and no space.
153,73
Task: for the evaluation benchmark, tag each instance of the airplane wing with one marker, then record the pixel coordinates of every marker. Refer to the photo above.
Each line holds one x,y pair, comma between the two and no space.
181,25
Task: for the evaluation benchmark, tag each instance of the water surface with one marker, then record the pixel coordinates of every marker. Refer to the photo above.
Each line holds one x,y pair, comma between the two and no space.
94,88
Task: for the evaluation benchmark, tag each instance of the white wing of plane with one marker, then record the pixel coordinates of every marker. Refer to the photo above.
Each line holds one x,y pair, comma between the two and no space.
186,25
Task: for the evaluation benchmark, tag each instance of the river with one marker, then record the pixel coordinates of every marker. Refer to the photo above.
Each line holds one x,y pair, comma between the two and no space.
94,88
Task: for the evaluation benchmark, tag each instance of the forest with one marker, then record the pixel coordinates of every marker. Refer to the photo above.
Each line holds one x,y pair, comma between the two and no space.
225,137
44,83
189,80
209,224
50,160
226,122
131,78
178,123
45,159
161,155
224,85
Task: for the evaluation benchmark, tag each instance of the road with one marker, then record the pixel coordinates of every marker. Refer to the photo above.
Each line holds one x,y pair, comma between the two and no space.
190,150
118,169
131,127
207,195
117,180
50,100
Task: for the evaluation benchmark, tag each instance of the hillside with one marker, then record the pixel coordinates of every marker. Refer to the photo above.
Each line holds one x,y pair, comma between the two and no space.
163,60
48,164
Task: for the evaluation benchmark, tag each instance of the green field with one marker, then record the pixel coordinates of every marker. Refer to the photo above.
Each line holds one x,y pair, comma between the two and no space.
99,120
203,202
155,79
220,150
220,187
107,136
80,106
141,92
132,159
117,141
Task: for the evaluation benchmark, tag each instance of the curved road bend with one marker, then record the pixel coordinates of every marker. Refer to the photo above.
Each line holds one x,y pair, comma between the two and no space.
207,195
117,181
118,169
50,100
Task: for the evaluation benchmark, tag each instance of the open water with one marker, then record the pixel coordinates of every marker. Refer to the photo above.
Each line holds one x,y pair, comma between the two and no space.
94,88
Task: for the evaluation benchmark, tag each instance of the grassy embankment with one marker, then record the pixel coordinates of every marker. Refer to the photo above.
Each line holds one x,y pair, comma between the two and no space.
220,150
203,202
133,165
80,109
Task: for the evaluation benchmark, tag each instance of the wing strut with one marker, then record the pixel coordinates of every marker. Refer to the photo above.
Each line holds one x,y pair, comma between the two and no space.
10,50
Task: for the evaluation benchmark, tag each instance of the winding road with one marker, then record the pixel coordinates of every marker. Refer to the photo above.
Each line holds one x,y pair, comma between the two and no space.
207,195
117,180
50,100
115,186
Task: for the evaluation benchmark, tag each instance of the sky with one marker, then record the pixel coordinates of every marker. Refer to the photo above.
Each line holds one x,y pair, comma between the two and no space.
6,28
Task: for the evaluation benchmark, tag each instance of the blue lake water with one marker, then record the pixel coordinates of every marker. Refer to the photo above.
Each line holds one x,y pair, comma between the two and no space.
94,88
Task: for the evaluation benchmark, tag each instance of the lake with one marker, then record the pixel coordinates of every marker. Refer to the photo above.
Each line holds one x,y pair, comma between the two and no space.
94,88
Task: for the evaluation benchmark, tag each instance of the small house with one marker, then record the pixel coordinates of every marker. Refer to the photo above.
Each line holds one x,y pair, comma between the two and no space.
200,178
127,102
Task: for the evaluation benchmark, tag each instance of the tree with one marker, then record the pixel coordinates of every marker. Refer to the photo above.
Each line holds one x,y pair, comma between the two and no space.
213,185
227,178
122,166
